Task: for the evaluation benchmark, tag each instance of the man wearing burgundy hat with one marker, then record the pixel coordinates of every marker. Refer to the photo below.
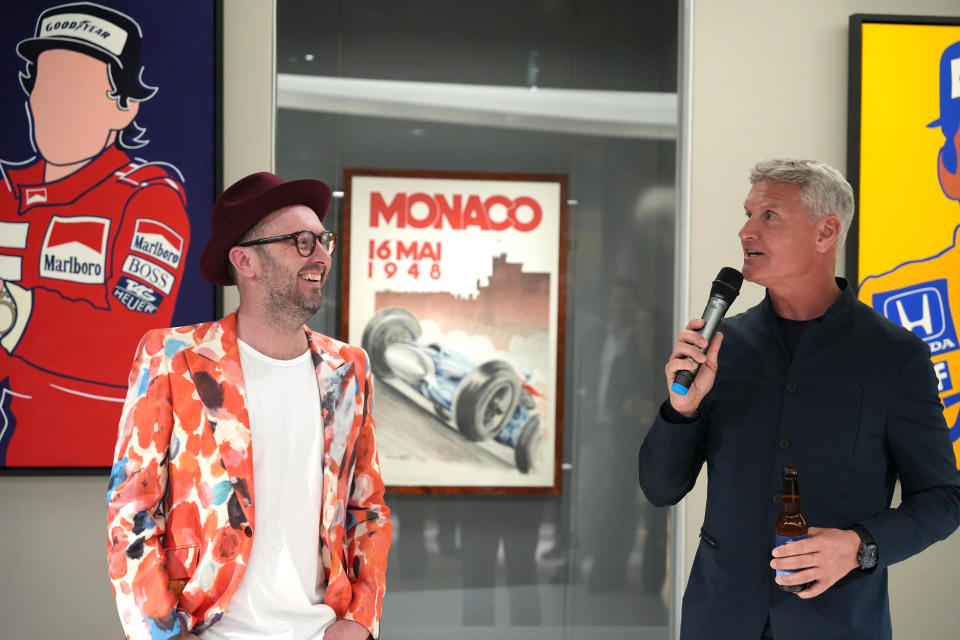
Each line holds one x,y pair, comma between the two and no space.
246,500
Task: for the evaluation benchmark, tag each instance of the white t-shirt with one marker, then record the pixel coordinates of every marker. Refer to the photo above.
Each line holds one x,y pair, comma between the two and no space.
280,596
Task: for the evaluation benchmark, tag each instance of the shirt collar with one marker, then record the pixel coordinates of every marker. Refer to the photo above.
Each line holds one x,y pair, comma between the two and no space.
67,189
846,301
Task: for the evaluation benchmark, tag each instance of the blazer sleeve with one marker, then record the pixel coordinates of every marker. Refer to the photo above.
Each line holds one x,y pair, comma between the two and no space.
135,518
671,457
922,453
369,530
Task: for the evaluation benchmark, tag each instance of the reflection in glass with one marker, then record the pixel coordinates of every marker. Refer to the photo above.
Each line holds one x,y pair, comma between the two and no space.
591,562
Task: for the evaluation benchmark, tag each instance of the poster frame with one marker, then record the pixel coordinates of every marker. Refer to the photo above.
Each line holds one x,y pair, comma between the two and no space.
559,310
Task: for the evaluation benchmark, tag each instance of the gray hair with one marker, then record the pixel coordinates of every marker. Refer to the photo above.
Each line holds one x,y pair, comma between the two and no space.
823,190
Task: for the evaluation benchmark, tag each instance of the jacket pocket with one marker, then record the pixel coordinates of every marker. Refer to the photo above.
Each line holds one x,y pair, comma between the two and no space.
181,561
709,539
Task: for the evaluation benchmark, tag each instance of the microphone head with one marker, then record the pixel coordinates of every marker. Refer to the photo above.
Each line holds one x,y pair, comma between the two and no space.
727,284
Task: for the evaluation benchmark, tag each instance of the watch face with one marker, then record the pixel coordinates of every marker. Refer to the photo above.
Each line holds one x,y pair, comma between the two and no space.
867,556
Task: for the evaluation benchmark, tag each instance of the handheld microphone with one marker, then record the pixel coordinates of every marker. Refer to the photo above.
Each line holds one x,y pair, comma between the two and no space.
724,291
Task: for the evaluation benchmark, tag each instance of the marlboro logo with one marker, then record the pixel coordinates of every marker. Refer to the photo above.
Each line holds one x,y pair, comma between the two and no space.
157,240
34,195
75,249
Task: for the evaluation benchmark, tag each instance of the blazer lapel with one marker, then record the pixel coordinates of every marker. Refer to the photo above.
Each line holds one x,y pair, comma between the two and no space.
214,365
334,378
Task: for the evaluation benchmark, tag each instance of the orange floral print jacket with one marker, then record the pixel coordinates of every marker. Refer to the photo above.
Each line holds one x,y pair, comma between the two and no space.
181,506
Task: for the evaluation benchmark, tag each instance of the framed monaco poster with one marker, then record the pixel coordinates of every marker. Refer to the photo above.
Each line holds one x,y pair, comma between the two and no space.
108,173
454,285
903,164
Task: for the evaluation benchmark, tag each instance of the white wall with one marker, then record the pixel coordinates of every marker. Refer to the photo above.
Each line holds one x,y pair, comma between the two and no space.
770,79
53,569
249,95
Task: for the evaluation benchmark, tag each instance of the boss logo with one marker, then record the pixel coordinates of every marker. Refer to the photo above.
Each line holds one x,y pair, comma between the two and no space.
149,273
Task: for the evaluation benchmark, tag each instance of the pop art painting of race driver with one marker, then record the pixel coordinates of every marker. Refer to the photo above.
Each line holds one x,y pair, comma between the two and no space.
923,294
93,239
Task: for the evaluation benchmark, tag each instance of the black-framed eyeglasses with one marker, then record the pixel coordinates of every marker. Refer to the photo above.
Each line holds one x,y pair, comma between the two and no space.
305,240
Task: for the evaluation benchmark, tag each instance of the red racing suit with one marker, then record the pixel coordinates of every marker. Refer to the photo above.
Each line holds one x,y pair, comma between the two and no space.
89,263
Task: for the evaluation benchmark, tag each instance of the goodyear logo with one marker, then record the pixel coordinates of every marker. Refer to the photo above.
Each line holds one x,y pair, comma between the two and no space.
136,296
924,309
100,32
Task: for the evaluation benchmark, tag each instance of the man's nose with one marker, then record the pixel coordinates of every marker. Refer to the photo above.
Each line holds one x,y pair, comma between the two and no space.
748,230
320,255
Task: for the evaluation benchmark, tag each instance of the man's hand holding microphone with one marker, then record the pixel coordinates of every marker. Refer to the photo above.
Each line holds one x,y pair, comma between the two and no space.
692,367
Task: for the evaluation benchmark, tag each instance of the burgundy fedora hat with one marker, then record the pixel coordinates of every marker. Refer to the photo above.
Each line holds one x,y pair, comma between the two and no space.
246,203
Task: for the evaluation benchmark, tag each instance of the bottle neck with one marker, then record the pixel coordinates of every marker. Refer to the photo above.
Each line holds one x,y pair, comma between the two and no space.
790,504
790,496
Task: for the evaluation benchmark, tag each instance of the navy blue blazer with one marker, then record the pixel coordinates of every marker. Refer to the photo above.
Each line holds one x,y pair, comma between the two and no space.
856,409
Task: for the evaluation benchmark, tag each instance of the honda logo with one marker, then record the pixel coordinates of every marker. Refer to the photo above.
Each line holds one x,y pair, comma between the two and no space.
924,309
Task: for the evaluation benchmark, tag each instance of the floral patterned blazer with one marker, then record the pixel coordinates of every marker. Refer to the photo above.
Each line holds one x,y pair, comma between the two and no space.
181,507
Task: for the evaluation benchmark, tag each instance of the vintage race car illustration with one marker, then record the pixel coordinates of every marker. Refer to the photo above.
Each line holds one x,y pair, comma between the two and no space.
481,401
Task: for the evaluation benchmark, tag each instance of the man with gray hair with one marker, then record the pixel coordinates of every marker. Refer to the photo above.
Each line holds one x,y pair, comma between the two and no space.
810,378
823,190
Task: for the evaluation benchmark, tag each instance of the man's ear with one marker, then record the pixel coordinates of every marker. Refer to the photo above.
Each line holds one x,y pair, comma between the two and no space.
829,233
242,261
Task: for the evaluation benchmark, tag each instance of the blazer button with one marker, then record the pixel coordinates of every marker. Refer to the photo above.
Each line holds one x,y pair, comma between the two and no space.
784,442
776,498
791,386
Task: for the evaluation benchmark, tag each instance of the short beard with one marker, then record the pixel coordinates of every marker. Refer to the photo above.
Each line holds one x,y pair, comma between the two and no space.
286,306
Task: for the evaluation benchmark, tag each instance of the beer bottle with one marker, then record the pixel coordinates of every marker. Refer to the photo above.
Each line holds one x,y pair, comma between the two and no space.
791,525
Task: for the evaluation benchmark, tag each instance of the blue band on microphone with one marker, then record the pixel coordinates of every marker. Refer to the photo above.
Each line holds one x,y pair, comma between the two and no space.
679,389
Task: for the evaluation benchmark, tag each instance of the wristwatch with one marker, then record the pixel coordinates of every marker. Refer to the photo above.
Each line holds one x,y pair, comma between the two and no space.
868,553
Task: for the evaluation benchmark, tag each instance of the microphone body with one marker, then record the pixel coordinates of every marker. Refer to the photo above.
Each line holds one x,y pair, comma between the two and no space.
725,290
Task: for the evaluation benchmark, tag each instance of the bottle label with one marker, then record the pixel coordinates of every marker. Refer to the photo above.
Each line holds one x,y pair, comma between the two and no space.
782,540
